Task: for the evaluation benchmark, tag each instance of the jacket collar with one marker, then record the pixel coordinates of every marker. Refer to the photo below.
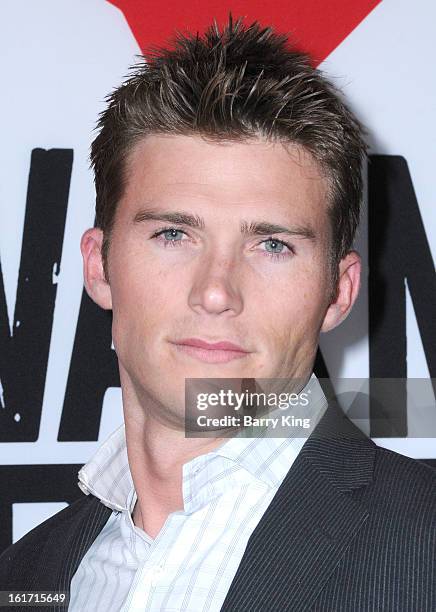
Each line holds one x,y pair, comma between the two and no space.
310,523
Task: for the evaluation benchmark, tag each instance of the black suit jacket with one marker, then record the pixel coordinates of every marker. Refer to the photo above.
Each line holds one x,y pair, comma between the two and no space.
351,528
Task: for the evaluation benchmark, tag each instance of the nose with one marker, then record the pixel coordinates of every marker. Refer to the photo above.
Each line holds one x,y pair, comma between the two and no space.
216,287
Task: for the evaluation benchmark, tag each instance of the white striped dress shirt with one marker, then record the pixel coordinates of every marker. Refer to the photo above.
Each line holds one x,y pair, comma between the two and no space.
191,563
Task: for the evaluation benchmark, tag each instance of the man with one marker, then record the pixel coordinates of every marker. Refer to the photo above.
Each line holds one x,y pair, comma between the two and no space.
228,180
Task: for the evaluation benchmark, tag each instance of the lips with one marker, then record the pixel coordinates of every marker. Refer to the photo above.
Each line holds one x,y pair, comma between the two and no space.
211,346
211,352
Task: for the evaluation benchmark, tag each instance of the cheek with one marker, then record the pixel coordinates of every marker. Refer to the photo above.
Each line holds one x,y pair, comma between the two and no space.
137,282
297,309
145,300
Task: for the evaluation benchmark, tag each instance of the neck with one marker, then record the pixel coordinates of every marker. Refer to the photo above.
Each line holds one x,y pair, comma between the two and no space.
156,454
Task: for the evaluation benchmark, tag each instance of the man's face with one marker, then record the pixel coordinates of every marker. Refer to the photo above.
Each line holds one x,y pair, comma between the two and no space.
215,271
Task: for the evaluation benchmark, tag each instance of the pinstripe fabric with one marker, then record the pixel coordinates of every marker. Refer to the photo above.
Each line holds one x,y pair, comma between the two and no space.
352,529
192,562
78,547
403,568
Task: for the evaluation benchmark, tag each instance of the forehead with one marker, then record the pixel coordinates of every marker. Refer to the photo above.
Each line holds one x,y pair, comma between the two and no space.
253,173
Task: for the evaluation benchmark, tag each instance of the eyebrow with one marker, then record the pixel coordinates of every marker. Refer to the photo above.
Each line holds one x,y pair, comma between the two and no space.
248,228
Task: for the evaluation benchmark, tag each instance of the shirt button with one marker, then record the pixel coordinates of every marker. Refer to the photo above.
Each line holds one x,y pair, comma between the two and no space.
156,574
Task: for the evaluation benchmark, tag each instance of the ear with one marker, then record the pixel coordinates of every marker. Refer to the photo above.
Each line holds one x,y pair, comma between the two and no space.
96,285
348,289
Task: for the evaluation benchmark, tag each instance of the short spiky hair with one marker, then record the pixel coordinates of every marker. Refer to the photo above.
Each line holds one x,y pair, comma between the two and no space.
235,84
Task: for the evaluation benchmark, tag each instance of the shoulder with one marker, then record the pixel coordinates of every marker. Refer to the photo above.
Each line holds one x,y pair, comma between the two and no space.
51,535
409,475
404,489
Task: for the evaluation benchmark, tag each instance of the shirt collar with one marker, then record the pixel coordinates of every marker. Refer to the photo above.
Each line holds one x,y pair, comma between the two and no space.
268,453
267,458
107,475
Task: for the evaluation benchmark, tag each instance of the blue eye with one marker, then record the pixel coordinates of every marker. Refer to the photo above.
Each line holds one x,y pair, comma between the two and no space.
275,248
169,236
273,245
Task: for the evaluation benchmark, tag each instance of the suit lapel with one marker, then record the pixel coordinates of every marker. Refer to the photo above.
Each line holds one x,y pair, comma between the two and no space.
309,524
78,538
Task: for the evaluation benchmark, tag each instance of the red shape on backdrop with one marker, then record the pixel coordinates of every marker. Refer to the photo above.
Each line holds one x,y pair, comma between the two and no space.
316,26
